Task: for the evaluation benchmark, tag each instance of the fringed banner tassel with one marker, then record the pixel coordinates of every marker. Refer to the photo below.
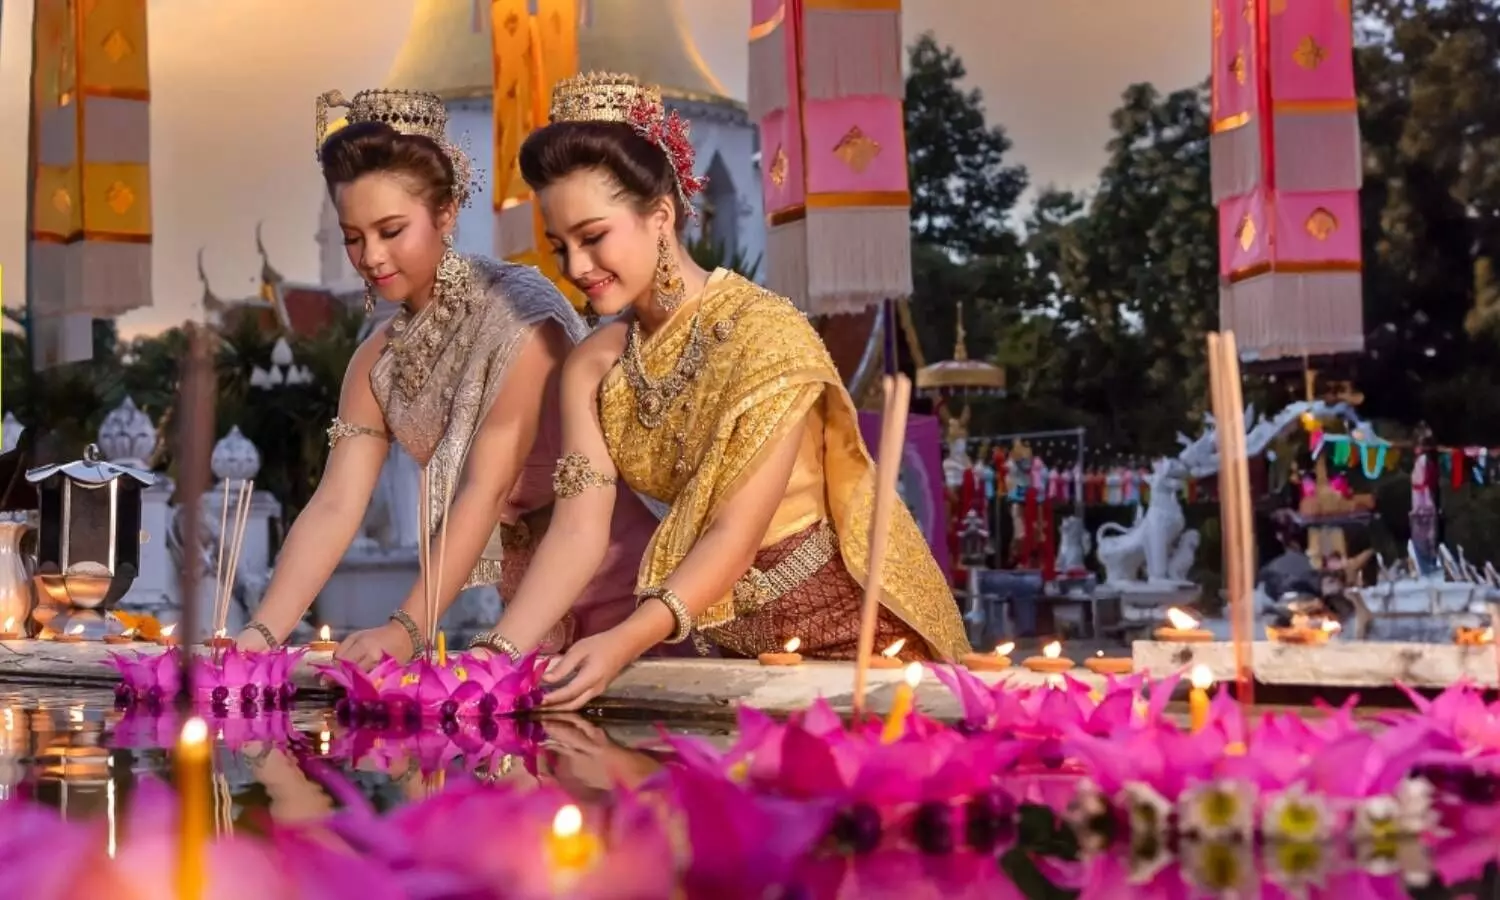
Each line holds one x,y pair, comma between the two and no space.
826,88
90,230
1286,178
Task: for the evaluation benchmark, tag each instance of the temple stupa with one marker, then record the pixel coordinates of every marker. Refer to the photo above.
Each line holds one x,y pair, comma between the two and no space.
448,52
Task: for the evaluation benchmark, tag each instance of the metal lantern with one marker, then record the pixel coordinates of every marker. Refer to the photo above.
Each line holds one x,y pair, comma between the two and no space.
89,534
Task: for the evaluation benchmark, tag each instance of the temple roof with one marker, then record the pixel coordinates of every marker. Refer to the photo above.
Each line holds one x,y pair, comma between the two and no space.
445,54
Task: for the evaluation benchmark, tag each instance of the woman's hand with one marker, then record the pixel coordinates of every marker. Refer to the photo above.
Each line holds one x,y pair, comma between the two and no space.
587,669
366,648
584,759
251,639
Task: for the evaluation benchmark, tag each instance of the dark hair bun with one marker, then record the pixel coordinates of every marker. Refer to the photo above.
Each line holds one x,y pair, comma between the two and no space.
364,148
641,169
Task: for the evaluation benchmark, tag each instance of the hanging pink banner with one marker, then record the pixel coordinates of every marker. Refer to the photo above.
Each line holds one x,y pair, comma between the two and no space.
920,483
855,144
782,179
1233,84
1312,52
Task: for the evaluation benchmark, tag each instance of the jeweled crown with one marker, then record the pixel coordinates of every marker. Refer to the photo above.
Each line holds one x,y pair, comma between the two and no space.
612,97
409,112
601,97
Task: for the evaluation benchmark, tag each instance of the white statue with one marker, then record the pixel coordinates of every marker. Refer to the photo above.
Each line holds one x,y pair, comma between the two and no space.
1073,544
1151,540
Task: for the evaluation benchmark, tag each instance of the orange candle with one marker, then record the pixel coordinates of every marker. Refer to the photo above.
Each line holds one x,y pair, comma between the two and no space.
901,704
570,848
1201,678
788,657
194,765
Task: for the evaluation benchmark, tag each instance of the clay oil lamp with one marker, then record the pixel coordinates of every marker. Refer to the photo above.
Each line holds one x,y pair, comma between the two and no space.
1100,664
1463,637
990,662
1303,632
1182,628
887,658
325,642
125,637
1051,662
73,635
787,657
168,636
220,641
10,632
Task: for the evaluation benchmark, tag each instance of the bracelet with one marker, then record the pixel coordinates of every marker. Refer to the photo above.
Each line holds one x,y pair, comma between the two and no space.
418,645
263,631
675,606
494,643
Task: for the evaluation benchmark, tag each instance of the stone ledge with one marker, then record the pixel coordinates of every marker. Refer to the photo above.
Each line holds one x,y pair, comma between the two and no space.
699,688
1352,664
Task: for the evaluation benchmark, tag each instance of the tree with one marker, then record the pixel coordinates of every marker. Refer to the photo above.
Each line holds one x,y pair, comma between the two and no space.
1431,212
962,190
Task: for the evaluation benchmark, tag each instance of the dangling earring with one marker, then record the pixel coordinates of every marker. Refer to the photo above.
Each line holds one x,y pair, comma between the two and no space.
590,316
448,241
669,289
369,299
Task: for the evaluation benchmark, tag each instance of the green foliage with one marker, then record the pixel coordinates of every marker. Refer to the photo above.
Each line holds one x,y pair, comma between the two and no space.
710,254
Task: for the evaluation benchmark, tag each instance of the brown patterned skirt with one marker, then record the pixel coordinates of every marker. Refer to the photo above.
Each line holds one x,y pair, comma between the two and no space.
822,610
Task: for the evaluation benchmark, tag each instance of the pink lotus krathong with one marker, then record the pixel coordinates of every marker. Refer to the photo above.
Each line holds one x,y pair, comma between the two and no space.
246,680
465,687
141,729
482,746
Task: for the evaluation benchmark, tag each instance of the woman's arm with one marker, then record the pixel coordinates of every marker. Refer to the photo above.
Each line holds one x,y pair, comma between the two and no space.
578,536
724,552
719,558
326,527
493,464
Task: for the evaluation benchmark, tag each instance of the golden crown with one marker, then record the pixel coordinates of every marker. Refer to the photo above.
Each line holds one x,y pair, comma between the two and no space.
409,112
610,97
601,97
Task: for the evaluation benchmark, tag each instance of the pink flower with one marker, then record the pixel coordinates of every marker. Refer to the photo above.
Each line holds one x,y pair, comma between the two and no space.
465,687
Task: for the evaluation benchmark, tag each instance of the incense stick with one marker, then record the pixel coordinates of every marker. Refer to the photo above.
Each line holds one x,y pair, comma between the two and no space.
887,467
219,566
424,547
1234,501
241,520
437,590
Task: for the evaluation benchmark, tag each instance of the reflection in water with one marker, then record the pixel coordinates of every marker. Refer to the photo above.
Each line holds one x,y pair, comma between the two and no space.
72,750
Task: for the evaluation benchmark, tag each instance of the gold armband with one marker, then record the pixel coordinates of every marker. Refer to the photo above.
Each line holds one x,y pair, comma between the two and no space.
575,474
674,605
341,429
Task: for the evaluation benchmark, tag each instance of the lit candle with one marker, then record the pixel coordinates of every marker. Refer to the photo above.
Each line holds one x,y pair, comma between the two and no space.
569,847
1100,664
325,642
73,635
125,637
787,657
887,658
168,637
220,641
9,632
1051,660
442,648
1201,678
990,662
193,765
1182,628
901,704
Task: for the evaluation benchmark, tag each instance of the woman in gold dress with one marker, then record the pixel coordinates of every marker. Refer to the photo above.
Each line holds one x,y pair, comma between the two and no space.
711,395
464,377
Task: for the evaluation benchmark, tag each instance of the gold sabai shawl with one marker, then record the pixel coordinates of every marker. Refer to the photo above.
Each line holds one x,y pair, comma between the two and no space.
443,367
765,370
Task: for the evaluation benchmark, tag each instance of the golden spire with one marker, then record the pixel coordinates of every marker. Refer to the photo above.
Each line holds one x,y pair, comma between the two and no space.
649,39
960,340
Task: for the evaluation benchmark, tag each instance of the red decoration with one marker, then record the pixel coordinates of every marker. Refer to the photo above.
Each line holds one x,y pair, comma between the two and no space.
670,133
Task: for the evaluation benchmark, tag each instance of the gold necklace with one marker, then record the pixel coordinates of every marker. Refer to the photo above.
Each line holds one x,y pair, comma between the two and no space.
654,399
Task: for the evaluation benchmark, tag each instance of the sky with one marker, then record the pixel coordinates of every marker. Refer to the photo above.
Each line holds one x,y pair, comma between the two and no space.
234,81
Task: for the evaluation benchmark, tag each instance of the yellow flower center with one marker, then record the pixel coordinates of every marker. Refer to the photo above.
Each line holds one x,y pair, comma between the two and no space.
460,673
1220,808
1298,857
1299,821
739,771
1219,866
409,679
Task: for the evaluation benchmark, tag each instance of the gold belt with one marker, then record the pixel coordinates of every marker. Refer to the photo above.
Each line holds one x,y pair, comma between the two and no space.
758,588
